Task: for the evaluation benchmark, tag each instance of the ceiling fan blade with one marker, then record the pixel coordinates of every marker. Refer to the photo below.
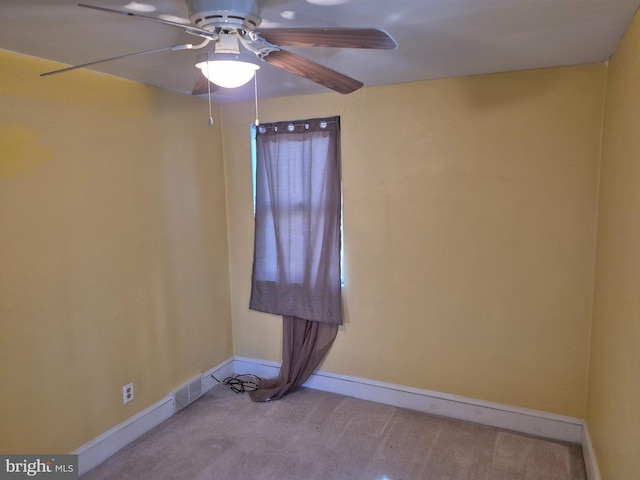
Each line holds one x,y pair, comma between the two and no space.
193,30
187,46
329,37
203,86
313,71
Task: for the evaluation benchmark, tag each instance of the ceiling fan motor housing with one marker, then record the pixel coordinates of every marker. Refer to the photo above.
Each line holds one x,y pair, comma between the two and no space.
225,14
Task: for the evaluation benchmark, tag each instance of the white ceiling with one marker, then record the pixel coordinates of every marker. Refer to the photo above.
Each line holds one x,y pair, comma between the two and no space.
436,38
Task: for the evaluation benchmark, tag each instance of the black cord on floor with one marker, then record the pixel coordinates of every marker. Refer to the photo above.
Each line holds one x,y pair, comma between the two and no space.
240,383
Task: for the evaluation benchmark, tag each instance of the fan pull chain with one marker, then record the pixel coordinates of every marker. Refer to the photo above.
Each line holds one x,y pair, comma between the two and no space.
209,92
255,91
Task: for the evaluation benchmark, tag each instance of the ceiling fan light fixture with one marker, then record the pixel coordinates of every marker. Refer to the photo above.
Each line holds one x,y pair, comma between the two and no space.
227,70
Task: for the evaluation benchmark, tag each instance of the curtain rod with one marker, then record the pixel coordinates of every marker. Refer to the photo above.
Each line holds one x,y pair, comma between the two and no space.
263,127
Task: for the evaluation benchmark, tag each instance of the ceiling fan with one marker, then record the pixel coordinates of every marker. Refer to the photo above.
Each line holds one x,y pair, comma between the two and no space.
232,27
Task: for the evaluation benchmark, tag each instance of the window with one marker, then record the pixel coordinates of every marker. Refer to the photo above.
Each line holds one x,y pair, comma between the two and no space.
252,135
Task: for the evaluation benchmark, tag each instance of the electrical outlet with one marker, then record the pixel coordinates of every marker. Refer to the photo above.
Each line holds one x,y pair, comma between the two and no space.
127,393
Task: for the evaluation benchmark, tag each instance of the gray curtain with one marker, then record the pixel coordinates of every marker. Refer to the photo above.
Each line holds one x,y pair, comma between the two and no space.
296,266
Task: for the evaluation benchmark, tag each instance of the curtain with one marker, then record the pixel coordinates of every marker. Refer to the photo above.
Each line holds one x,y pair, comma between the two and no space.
296,266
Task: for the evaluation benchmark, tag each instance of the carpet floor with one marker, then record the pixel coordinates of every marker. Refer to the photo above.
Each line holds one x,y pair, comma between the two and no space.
315,435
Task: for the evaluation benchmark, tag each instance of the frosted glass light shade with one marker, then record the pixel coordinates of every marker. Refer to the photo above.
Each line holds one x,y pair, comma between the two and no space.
228,73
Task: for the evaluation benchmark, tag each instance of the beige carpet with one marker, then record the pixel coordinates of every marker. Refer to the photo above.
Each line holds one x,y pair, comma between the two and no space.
314,435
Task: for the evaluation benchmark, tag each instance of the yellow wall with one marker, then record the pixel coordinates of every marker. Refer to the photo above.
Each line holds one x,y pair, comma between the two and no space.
614,383
470,210
113,251
469,225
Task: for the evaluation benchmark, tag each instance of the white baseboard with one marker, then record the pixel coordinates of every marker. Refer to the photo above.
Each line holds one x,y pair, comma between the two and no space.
96,451
522,420
534,422
221,371
102,447
590,461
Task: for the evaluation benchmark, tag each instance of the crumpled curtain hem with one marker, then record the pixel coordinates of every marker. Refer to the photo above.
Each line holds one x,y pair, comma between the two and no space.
305,344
